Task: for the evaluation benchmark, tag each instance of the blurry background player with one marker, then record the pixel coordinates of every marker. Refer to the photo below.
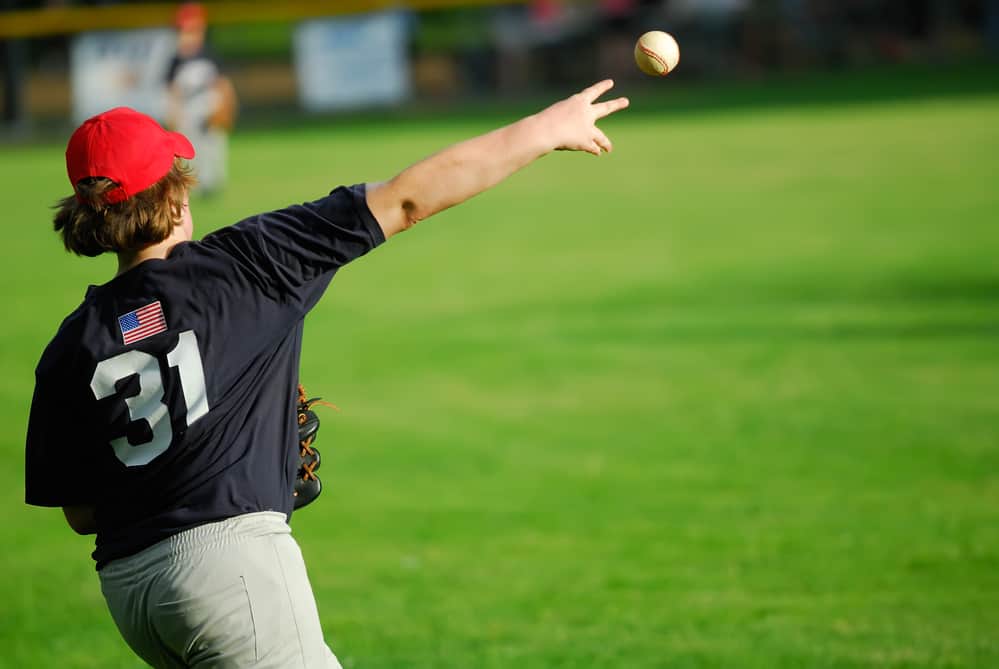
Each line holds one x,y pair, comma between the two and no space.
202,100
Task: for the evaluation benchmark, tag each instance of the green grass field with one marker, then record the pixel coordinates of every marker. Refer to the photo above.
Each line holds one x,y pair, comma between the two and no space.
727,397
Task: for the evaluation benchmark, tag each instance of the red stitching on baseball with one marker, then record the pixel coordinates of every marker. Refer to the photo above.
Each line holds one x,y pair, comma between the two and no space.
656,57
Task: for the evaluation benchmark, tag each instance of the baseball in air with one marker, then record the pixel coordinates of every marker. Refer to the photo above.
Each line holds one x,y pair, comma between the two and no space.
657,53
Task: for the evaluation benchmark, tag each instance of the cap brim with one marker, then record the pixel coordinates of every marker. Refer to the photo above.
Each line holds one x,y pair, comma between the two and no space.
182,146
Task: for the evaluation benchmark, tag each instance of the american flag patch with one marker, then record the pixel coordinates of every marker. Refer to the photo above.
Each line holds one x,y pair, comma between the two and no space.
141,323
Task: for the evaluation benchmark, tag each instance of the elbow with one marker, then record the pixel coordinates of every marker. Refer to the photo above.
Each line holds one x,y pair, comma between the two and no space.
410,214
394,207
84,530
81,519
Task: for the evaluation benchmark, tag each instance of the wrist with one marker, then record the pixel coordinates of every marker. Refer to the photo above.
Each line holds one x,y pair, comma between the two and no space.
539,133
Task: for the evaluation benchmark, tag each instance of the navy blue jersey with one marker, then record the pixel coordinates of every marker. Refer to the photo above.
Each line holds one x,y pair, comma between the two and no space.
193,419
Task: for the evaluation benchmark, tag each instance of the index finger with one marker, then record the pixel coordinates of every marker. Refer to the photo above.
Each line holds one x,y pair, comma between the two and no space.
603,109
597,89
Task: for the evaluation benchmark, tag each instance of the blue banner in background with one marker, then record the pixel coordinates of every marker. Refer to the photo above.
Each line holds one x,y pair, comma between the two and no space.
355,62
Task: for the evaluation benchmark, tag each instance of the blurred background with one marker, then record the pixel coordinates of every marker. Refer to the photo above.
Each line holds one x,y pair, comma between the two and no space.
61,62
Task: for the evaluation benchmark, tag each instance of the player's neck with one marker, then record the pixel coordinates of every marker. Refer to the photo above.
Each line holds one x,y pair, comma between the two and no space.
130,259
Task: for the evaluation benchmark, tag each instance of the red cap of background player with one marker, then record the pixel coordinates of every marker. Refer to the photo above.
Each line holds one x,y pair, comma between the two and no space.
190,15
126,147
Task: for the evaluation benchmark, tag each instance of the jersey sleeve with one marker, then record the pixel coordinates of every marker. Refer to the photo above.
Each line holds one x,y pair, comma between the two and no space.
58,469
289,249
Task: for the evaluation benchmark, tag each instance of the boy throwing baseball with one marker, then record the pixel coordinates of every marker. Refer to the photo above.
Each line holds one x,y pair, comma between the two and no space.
164,410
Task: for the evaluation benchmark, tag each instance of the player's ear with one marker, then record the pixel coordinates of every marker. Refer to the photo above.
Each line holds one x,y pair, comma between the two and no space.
186,222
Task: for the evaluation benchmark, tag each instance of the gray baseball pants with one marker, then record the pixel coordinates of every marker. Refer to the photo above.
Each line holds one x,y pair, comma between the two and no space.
228,594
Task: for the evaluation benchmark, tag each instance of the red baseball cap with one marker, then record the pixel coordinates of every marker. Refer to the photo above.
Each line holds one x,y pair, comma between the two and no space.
190,15
127,147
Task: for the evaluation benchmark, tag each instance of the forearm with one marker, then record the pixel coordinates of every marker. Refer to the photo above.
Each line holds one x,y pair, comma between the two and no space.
464,170
456,174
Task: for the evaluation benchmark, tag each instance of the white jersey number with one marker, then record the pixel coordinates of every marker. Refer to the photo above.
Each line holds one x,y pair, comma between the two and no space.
148,404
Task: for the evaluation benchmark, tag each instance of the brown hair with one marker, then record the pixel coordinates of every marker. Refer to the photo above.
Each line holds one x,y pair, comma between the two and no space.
90,227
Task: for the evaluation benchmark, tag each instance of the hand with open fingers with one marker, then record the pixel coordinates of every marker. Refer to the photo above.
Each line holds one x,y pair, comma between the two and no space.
571,123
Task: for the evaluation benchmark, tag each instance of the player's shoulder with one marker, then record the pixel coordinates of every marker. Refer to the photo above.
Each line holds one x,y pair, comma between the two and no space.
67,344
82,336
75,322
302,222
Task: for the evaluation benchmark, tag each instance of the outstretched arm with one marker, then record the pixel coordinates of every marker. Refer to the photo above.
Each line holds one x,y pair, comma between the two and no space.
468,168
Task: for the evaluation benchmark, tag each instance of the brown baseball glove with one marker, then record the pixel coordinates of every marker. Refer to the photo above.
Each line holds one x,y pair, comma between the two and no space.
224,116
307,483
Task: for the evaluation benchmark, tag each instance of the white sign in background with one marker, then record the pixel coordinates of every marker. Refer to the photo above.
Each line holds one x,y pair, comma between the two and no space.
121,68
353,62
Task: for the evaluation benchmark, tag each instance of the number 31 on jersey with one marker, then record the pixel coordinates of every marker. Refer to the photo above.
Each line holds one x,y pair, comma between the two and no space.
148,404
